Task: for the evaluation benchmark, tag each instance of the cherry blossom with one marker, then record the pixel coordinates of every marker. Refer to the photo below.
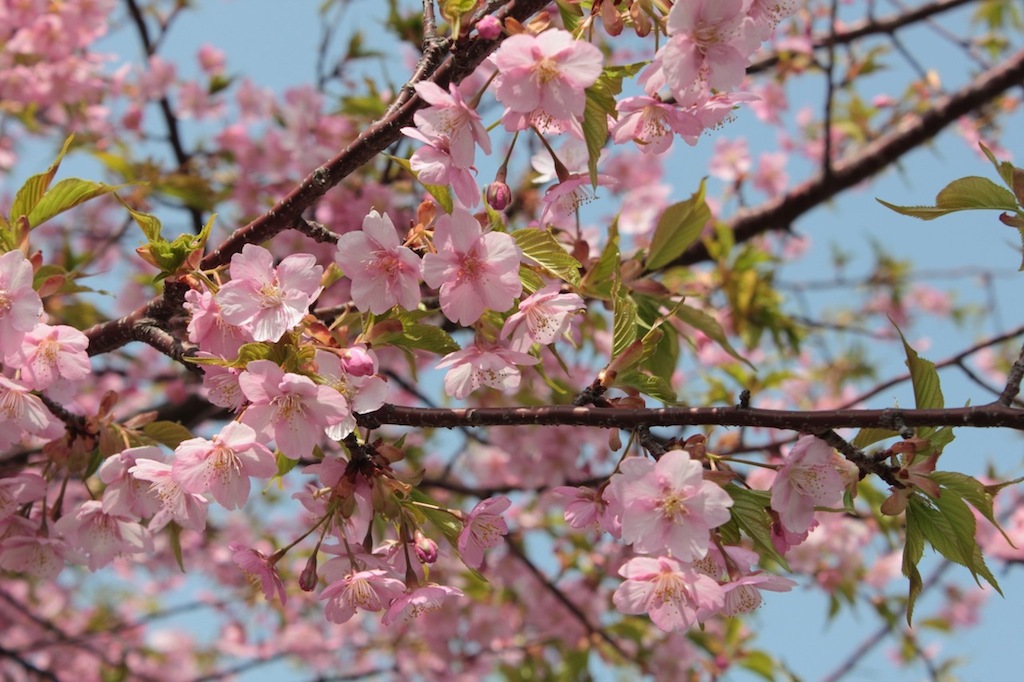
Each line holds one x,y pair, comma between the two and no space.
270,300
542,318
19,489
52,353
808,478
289,407
421,600
651,124
208,329
22,413
743,595
668,506
126,495
475,366
713,39
362,388
36,555
437,163
450,115
258,569
176,504
100,535
223,465
369,590
547,72
483,529
672,593
563,200
474,271
20,305
383,272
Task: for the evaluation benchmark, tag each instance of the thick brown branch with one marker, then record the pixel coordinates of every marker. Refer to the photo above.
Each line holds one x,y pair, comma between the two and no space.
992,415
779,214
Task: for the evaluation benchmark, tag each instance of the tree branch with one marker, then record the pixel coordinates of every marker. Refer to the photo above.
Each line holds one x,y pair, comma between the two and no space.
914,130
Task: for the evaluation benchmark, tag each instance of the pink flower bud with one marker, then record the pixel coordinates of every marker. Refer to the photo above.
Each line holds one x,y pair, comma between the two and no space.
307,579
499,196
488,28
357,362
426,549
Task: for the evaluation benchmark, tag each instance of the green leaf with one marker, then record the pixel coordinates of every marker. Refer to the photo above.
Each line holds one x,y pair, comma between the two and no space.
749,511
656,387
698,319
759,663
29,195
624,321
65,195
149,224
174,534
966,194
441,193
973,491
426,337
1004,168
167,433
868,437
927,392
599,278
571,15
679,226
913,549
541,247
595,131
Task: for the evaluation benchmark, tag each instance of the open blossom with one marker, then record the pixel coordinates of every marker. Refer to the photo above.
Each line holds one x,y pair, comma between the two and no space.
668,506
438,163
652,124
176,504
584,508
419,601
367,590
20,489
20,305
743,595
36,555
288,407
100,535
483,529
353,375
808,478
475,366
542,318
548,72
449,114
259,570
675,595
715,39
52,353
383,272
208,329
267,299
223,466
473,271
23,413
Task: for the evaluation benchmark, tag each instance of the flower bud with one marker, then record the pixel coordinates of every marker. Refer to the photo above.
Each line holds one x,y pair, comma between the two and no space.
488,28
307,579
357,362
426,549
499,196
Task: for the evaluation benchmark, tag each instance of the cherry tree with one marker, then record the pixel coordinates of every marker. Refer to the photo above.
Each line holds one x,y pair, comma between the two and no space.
453,376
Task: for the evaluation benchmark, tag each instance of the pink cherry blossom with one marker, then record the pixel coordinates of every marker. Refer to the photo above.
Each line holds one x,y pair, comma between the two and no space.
20,489
770,176
674,594
743,595
208,329
652,124
126,495
36,555
52,353
270,300
808,478
221,384
767,13
731,160
223,466
22,413
483,529
542,318
476,366
258,569
288,407
364,392
383,272
184,508
419,601
437,163
450,115
20,305
668,506
102,536
714,40
368,590
584,508
474,271
548,72
562,201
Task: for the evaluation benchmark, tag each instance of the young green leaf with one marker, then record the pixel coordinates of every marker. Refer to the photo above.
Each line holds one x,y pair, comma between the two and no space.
541,247
966,194
680,226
